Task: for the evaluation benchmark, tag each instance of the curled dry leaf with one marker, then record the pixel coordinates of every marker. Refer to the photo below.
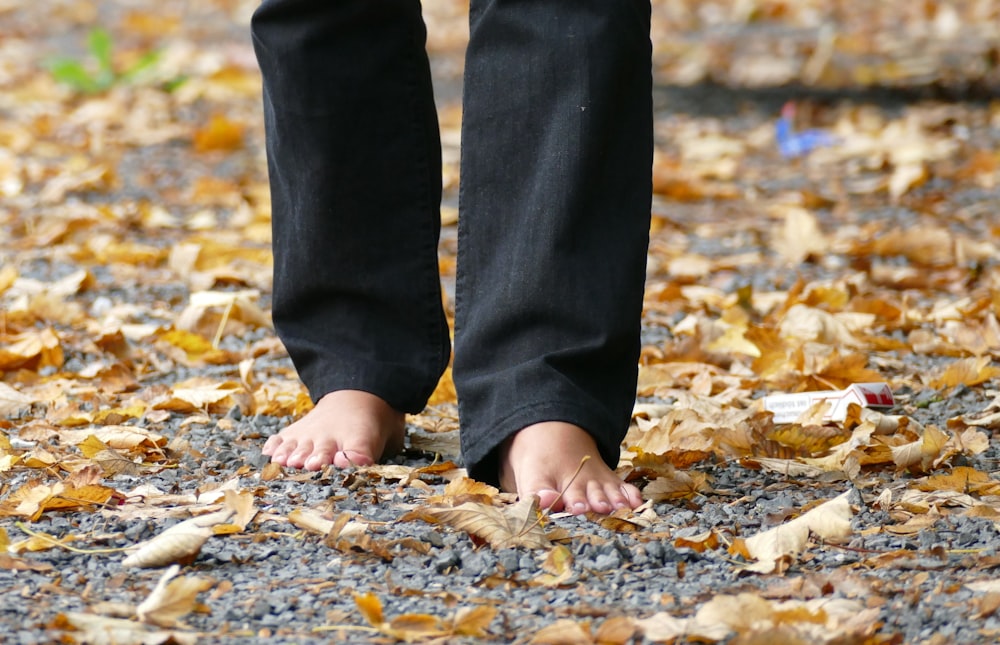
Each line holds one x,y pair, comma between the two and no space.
171,598
180,543
829,520
512,526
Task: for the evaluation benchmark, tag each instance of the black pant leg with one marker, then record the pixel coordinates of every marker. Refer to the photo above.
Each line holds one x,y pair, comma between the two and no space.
355,168
554,223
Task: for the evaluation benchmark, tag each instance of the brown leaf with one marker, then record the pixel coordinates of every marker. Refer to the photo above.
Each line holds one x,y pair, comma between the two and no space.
502,528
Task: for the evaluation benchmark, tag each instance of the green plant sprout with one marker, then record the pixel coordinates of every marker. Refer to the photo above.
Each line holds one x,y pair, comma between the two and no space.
99,74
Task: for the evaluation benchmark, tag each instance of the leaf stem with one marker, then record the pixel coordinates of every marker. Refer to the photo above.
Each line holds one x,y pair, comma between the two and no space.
54,542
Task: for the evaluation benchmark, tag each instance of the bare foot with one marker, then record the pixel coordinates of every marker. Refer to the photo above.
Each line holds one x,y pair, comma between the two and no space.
346,428
541,460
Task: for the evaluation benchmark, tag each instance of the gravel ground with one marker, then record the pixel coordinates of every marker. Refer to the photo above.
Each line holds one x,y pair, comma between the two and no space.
276,583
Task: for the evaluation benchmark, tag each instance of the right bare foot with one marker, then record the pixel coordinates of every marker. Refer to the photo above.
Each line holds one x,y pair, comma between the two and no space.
345,428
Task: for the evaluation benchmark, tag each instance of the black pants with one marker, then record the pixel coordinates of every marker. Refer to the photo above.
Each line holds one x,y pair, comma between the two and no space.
554,208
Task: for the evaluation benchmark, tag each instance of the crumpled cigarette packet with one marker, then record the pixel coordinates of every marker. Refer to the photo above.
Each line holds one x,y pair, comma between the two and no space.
788,407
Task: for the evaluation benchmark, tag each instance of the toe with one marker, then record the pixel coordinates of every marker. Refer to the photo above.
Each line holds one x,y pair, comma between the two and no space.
548,499
282,450
271,445
615,494
298,457
348,458
575,501
632,495
320,458
597,499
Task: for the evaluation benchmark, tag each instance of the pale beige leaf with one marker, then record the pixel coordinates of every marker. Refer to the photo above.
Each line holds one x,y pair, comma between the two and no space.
310,520
801,235
171,598
12,402
241,503
661,627
984,586
179,543
502,528
829,520
101,630
810,324
562,632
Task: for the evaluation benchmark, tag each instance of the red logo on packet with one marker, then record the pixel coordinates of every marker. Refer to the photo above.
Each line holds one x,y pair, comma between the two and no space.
881,397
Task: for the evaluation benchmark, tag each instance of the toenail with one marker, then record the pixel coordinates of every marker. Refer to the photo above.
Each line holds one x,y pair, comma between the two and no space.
580,507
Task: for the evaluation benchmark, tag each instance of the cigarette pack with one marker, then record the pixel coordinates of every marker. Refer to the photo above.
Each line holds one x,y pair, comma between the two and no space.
788,407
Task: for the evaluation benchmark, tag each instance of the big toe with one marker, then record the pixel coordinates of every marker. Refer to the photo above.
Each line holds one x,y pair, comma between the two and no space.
347,458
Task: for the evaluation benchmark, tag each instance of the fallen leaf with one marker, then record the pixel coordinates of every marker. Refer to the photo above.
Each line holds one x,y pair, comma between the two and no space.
830,520
12,402
513,526
172,598
180,543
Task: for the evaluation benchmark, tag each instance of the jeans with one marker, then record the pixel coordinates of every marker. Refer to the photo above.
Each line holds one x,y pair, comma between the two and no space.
554,209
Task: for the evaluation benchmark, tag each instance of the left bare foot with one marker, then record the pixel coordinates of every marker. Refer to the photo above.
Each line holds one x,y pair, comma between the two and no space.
542,459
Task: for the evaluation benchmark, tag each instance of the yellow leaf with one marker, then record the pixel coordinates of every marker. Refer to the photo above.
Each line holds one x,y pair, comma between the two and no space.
40,542
114,463
445,390
126,438
92,446
370,607
967,371
558,567
473,621
801,236
219,134
699,543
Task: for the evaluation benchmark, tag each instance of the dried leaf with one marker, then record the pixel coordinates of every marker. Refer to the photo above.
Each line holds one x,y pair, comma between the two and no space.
512,526
12,402
172,598
473,621
180,543
563,632
830,520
